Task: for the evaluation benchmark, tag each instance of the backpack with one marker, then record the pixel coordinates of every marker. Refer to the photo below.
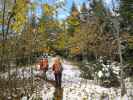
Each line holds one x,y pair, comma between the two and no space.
44,64
57,68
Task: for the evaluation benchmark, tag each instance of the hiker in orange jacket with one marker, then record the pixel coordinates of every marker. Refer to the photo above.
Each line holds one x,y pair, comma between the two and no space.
44,66
57,68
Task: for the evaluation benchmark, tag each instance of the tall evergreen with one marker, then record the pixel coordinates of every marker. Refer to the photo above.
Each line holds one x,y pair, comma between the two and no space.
126,11
98,8
74,10
73,20
84,8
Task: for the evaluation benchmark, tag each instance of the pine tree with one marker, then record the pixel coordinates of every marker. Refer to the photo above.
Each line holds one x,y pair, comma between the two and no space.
83,13
73,20
126,11
84,8
74,10
98,8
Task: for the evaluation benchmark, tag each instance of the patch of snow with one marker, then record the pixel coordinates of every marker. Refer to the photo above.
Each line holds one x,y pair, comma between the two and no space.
74,87
100,74
24,98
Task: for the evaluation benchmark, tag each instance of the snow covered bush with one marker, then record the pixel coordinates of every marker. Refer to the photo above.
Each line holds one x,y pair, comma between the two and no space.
106,75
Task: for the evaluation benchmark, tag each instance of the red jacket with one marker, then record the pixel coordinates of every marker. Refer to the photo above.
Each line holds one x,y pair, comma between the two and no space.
43,64
57,68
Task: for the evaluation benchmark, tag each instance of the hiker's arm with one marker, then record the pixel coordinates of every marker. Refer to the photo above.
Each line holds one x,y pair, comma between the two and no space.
52,67
61,67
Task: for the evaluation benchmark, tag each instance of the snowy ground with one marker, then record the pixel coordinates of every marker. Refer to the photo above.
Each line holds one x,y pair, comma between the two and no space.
73,86
76,88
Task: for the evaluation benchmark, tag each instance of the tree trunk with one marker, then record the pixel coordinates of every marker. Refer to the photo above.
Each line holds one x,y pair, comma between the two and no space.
123,90
3,36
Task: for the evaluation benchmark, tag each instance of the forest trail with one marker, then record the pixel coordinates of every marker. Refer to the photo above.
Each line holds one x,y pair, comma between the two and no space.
76,88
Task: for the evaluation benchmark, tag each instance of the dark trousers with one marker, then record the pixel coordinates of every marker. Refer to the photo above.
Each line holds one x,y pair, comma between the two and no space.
58,77
44,75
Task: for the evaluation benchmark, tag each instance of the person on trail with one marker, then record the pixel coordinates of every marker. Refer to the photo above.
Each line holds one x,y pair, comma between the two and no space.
44,66
57,68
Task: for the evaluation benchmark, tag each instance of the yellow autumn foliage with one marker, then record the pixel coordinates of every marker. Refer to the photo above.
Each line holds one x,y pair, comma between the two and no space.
48,10
20,18
75,50
73,21
46,49
130,42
